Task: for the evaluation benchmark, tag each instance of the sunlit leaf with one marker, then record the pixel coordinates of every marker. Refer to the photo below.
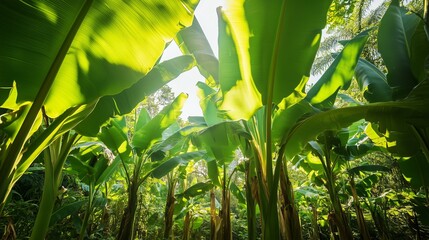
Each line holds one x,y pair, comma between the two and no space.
339,74
152,131
116,45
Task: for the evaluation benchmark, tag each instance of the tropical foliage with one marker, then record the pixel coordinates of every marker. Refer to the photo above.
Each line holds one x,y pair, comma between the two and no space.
279,153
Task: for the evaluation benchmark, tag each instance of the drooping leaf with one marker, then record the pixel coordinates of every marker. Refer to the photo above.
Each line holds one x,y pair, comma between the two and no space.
372,82
115,46
419,52
414,170
195,190
213,171
280,35
208,103
234,71
65,211
152,131
125,101
192,40
390,115
339,74
168,165
221,140
394,38
368,168
114,136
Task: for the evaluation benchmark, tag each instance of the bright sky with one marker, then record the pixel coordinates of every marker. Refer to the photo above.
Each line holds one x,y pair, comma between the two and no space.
186,82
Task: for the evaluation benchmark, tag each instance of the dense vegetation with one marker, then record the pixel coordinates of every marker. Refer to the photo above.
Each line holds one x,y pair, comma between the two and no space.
93,147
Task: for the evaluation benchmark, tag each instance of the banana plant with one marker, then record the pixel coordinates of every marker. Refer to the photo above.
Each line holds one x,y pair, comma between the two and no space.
62,57
135,153
93,168
162,73
186,201
221,141
323,151
174,152
55,155
246,68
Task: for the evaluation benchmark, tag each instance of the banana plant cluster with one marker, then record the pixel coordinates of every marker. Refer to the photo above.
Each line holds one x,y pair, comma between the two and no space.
70,68
60,65
265,55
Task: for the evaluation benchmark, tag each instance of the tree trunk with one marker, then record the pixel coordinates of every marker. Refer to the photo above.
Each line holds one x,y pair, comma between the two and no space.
364,233
379,221
226,216
187,227
214,219
315,234
169,211
251,196
289,219
126,231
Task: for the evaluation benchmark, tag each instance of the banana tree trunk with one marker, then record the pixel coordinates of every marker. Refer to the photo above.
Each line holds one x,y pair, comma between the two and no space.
54,157
187,226
169,210
126,231
47,202
379,221
339,217
315,234
289,218
341,221
226,216
88,212
361,220
214,219
251,195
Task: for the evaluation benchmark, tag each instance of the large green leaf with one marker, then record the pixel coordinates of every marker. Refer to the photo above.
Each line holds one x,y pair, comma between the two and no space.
70,118
394,39
419,52
107,172
192,40
180,137
168,165
195,190
368,168
125,101
66,210
234,71
323,93
276,42
221,140
389,115
286,117
115,136
115,46
372,82
339,74
414,170
208,103
148,134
